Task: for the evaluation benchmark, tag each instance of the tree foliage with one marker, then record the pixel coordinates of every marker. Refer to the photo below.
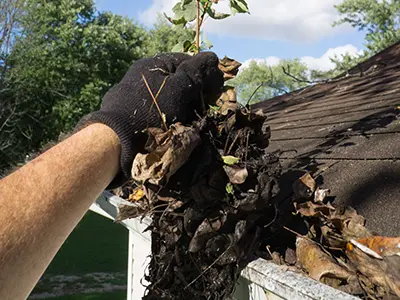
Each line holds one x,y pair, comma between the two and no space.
10,12
194,13
379,19
163,37
260,81
66,55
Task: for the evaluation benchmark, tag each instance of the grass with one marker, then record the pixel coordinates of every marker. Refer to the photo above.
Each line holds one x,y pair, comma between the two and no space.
121,295
95,245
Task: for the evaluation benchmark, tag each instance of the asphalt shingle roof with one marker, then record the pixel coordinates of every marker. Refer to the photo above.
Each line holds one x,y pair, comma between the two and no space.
347,132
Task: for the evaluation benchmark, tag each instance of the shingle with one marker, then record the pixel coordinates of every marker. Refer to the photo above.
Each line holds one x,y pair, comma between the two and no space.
348,132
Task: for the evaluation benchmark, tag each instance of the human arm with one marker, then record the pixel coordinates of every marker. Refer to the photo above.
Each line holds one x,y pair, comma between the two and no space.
44,200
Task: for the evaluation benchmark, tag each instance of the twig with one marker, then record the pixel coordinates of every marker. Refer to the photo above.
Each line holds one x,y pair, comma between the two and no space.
301,80
247,149
270,84
274,219
208,268
198,24
311,240
161,87
233,143
161,70
296,233
252,95
227,141
269,250
272,81
200,20
155,98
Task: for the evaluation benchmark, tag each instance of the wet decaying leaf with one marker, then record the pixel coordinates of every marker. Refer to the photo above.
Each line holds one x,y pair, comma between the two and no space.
304,187
236,175
200,246
378,258
318,264
168,152
218,198
229,67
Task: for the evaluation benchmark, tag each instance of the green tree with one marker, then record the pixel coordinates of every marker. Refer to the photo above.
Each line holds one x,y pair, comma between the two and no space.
260,82
163,37
66,57
10,12
379,19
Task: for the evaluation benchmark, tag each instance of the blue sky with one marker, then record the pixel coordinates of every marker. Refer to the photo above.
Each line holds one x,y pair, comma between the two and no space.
275,29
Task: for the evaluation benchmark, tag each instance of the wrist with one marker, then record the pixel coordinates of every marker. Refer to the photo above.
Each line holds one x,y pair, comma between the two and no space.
129,140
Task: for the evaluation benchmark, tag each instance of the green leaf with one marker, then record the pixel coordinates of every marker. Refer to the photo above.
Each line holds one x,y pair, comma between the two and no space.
238,6
186,2
184,46
177,22
187,45
230,160
193,48
178,11
177,48
229,188
186,10
215,15
206,44
215,108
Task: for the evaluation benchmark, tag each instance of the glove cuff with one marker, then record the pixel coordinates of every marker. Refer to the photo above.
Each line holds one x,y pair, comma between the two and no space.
123,127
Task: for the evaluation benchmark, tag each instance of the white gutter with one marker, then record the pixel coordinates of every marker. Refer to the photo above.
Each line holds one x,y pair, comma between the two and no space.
261,279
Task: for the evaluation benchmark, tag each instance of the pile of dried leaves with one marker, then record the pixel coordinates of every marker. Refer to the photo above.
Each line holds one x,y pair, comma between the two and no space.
340,251
213,193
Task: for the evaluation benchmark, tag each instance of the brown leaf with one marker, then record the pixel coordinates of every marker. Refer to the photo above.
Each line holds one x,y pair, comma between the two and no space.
382,245
204,232
381,263
304,187
321,194
129,212
227,100
350,224
333,238
311,209
290,256
156,137
277,258
229,67
228,95
317,263
236,175
173,150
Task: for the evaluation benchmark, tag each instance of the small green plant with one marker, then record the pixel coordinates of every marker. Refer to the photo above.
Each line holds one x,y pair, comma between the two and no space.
194,12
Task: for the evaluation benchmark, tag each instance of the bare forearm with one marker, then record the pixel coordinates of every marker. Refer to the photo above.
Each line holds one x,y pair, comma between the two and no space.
43,201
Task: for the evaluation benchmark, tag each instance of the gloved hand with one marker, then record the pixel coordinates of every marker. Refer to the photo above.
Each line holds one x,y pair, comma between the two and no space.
129,109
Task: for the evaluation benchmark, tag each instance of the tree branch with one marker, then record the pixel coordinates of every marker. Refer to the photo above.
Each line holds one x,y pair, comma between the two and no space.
198,24
287,72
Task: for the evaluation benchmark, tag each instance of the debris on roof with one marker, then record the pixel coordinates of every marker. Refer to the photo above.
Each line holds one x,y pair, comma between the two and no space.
219,196
346,132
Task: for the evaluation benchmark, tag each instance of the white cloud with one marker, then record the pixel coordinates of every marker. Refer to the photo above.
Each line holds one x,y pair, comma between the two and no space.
322,63
149,16
270,60
291,20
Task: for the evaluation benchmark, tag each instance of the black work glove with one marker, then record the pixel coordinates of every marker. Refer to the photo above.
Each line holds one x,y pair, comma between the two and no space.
129,109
